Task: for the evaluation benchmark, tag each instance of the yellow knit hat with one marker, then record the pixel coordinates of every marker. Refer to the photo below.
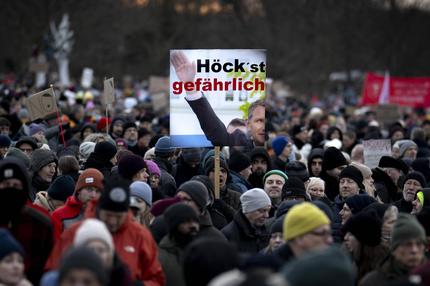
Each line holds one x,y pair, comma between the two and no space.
303,218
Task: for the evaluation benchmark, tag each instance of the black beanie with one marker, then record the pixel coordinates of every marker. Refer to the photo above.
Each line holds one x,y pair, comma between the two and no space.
366,227
297,169
116,195
390,162
130,165
205,259
239,161
285,206
177,214
197,191
295,187
358,202
12,168
105,149
40,158
62,188
277,225
333,158
415,176
354,174
127,125
83,258
210,165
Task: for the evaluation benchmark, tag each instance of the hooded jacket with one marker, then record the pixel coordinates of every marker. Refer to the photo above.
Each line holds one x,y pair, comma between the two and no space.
133,243
255,180
315,153
65,216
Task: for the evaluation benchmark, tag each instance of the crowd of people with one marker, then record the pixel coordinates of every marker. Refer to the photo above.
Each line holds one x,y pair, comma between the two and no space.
110,201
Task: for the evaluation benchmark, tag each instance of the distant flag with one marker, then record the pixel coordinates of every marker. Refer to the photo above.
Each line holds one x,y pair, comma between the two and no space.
384,96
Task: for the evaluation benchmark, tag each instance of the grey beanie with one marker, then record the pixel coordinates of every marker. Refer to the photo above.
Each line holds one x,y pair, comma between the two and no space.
141,190
40,158
406,228
404,145
86,148
254,199
18,154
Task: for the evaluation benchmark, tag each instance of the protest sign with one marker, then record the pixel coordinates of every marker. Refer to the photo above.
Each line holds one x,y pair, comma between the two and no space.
108,91
374,150
209,89
158,84
87,77
41,104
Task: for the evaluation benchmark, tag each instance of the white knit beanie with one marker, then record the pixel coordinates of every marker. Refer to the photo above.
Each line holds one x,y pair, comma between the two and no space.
86,148
254,199
93,229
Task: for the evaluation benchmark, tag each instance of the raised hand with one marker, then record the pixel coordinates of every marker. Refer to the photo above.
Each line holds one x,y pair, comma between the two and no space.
185,70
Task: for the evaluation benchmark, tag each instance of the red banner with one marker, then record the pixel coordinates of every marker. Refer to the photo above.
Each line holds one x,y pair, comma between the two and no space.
406,91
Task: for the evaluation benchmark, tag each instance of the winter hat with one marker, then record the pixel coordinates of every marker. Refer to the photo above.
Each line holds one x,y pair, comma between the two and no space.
141,190
358,202
164,146
285,206
239,161
331,265
177,214
86,148
28,140
333,158
325,208
8,244
405,145
130,165
303,218
93,229
297,129
295,187
116,196
365,171
191,155
105,149
366,227
275,172
102,123
12,168
121,143
36,128
89,178
153,168
209,166
4,141
160,206
277,225
82,258
197,191
279,143
390,162
406,228
354,174
254,199
40,158
297,169
16,153
149,154
128,124
416,176
62,188
334,143
204,259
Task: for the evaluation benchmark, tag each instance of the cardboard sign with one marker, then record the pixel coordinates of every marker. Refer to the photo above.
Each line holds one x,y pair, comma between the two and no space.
87,77
387,114
160,101
374,150
109,91
41,104
158,84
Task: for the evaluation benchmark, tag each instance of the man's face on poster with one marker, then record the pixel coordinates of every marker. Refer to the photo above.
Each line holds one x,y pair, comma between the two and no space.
256,125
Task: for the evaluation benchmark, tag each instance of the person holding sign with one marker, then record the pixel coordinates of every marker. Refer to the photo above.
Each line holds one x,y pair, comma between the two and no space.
212,126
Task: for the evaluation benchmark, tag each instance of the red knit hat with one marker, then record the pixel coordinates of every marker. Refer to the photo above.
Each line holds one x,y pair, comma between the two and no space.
103,123
90,178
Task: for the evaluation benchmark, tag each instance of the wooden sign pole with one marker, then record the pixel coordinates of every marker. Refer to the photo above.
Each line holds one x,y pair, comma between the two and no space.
217,172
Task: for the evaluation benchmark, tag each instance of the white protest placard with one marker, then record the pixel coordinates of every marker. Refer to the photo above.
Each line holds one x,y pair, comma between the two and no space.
374,150
87,77
109,91
41,104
